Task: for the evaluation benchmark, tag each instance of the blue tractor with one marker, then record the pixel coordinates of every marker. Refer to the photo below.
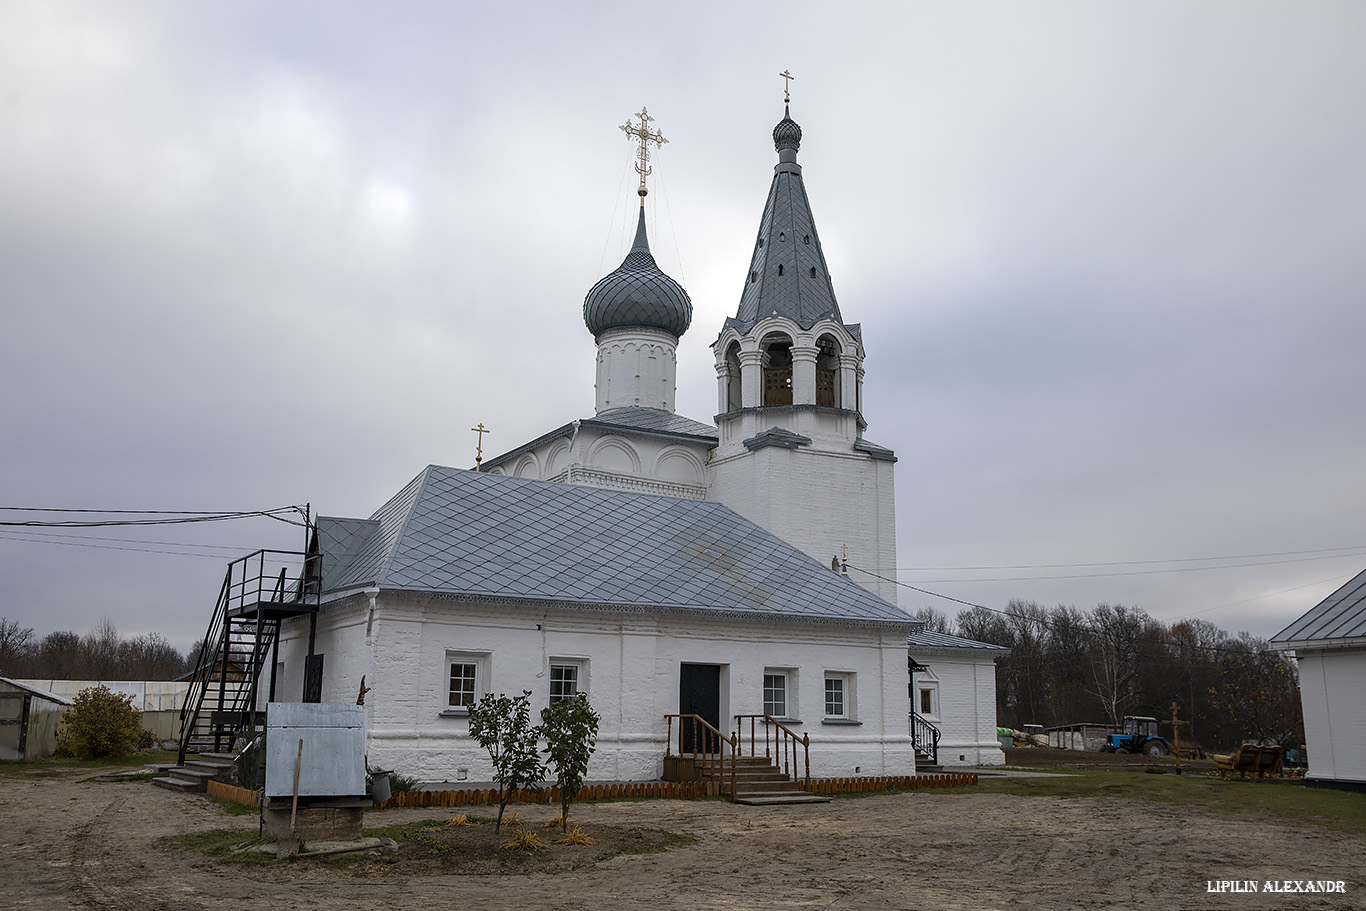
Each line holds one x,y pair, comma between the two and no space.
1138,735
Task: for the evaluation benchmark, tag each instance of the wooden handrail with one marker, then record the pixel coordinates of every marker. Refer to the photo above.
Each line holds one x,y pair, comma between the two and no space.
708,732
785,743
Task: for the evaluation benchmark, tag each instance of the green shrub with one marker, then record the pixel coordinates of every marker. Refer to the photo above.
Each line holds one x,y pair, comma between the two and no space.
99,723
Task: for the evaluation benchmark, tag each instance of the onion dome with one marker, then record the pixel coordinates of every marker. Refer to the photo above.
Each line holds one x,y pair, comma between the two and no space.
787,134
637,295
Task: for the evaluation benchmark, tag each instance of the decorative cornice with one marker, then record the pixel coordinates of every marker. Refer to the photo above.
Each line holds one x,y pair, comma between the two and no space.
776,436
669,610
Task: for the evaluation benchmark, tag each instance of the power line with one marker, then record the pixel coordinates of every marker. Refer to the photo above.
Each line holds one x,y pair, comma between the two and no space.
1048,622
1139,572
164,517
144,550
1357,548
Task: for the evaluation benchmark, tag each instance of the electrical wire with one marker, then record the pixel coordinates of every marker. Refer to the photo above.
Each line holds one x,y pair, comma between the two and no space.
165,517
1047,623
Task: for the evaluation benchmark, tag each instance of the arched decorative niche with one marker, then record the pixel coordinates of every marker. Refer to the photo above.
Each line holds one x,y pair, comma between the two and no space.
679,465
616,455
557,458
528,466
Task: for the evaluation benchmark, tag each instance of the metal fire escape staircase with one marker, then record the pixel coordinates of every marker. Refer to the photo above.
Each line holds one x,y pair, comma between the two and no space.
241,638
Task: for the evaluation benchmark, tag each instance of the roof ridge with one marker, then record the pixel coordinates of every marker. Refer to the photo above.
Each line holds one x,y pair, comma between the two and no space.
423,477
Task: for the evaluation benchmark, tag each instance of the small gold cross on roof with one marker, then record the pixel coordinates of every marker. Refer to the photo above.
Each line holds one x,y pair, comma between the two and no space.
787,86
644,137
479,447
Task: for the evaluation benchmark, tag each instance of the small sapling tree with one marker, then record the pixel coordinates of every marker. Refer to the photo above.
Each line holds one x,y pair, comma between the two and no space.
100,723
502,725
570,729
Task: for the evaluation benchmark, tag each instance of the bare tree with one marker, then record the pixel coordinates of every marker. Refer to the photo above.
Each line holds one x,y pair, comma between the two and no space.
1114,657
935,621
16,647
102,651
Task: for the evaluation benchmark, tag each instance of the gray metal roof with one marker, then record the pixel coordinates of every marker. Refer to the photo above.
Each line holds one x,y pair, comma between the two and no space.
1342,615
637,295
932,641
478,535
787,273
652,421
631,420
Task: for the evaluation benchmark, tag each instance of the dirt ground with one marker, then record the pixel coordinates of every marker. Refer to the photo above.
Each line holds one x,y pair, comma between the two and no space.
68,843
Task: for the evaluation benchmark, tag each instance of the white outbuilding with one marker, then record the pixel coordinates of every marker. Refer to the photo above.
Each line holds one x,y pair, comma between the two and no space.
1329,644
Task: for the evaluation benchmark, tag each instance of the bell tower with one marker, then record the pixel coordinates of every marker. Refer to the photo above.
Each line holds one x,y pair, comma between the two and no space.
791,455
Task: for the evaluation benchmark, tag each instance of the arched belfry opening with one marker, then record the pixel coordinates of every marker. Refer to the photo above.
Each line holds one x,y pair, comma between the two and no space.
734,386
828,371
777,363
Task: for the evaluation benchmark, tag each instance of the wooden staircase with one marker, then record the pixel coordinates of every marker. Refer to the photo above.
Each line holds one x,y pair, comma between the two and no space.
758,770
758,782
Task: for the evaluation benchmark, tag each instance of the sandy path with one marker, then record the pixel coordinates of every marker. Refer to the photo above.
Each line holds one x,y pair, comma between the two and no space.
66,844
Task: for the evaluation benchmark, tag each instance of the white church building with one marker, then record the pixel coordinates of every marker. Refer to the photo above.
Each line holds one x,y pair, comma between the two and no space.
663,566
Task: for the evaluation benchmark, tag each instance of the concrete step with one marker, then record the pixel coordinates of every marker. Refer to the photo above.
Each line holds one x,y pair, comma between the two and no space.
176,784
208,766
195,779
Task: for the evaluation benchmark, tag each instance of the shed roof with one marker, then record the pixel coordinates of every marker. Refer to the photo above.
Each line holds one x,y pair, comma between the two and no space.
42,694
477,535
1340,616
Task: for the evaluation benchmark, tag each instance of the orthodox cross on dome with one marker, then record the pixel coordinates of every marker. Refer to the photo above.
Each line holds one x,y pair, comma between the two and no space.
479,447
643,137
787,86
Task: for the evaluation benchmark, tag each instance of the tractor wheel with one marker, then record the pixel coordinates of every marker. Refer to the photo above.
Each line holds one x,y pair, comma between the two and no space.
1155,748
1121,751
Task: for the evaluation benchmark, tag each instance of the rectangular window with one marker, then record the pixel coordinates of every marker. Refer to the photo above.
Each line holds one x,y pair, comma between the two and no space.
464,685
835,697
927,702
564,682
775,695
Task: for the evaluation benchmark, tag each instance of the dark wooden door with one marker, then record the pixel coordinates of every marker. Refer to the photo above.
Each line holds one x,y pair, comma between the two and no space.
699,693
313,679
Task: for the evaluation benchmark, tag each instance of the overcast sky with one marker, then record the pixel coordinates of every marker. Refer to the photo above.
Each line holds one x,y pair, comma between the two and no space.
1108,259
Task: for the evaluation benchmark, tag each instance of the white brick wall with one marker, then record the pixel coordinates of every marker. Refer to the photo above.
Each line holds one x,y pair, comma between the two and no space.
633,681
965,707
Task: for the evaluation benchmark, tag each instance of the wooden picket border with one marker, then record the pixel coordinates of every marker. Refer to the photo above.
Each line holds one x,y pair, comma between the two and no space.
669,790
869,784
233,794
488,797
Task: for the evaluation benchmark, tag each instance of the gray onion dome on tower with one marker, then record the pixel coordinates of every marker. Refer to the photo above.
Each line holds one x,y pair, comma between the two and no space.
787,134
637,295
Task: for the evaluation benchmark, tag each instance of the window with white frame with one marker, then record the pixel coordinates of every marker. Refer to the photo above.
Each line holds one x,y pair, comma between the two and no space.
568,678
775,693
465,680
839,696
926,701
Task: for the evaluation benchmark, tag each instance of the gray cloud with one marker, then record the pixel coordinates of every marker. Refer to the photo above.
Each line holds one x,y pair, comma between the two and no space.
1106,259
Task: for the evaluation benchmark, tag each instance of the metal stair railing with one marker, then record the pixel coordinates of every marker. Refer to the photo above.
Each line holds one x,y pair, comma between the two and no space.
925,738
238,640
